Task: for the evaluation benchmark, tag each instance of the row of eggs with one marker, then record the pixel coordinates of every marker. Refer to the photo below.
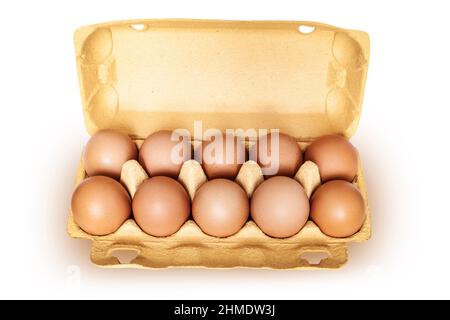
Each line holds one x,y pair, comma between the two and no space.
108,150
161,205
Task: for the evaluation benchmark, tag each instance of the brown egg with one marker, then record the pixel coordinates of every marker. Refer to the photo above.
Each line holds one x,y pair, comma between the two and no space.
338,209
335,156
223,156
220,207
163,153
161,206
100,205
285,162
280,207
106,152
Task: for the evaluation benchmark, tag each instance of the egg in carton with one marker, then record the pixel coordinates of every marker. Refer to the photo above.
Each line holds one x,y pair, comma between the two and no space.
142,76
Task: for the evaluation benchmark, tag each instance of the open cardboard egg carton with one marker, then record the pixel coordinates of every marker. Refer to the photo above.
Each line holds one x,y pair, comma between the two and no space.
142,76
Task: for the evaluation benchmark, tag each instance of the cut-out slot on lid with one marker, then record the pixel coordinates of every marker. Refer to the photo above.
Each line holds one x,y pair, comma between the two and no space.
143,76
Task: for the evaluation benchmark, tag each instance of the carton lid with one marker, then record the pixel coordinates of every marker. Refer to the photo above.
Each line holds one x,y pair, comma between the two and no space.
306,79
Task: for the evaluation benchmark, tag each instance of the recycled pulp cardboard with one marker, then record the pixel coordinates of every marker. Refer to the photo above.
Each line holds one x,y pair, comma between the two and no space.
146,75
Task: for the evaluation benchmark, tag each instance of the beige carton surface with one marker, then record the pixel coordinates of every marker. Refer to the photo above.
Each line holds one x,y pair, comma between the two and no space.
147,75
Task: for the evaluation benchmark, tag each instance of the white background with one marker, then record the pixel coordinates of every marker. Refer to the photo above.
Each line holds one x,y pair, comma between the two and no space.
402,138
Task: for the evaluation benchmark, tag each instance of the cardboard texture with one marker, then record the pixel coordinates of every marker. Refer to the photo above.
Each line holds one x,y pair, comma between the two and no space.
142,76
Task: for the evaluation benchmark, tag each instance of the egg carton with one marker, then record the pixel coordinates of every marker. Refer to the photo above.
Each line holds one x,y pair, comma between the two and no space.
139,76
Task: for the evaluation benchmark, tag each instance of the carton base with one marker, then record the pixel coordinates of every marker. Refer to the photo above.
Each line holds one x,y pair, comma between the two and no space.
219,256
